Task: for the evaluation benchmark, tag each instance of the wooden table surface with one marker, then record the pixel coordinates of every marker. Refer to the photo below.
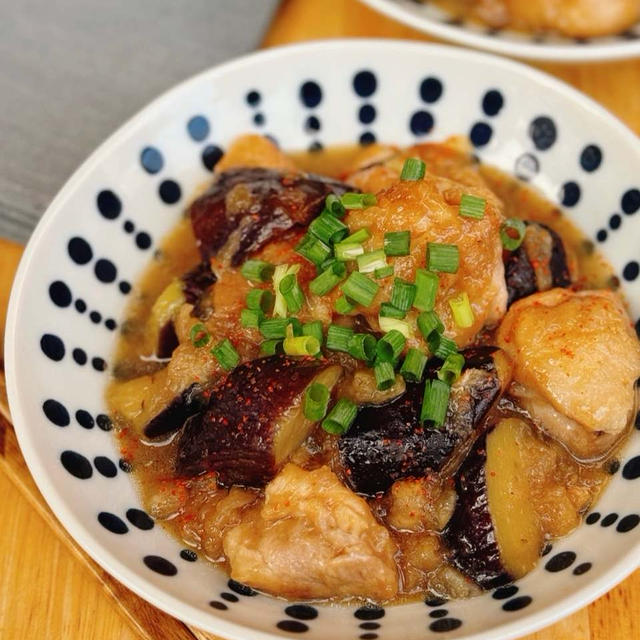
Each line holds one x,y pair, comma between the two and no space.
49,589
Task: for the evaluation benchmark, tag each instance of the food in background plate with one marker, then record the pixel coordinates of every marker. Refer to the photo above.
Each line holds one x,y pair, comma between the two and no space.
374,373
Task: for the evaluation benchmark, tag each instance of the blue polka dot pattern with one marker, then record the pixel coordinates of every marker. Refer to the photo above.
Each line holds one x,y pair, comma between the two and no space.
492,102
367,114
169,191
570,194
109,204
84,419
80,250
76,464
517,603
312,123
105,467
151,160
630,201
60,294
139,519
105,270
367,138
112,523
79,356
56,413
253,98
310,94
52,347
160,565
198,128
543,132
292,626
365,83
445,624
480,134
591,158
421,123
211,155
431,90
527,166
560,561
615,221
630,271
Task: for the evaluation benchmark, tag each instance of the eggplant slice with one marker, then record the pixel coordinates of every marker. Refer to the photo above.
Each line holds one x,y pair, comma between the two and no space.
253,421
179,410
261,205
388,442
539,264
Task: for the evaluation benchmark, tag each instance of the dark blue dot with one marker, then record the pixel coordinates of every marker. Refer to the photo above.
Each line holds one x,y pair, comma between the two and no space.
569,194
517,603
312,124
76,464
109,204
124,287
80,305
79,250
242,589
368,137
630,202
253,98
631,470
128,226
369,625
601,236
627,523
630,271
367,113
591,158
160,565
229,597
60,294
369,613
105,466
365,83
52,347
316,145
543,132
527,166
301,612
95,317
151,160
502,593
139,518
125,465
211,155
582,568
198,128
143,240
104,422
110,323
560,561
368,636
492,102
258,119
169,191
189,555
445,624
84,419
434,602
98,364
592,518
105,270
292,626
615,221
438,613
310,94
79,356
56,413
112,523
480,134
431,90
220,606
421,123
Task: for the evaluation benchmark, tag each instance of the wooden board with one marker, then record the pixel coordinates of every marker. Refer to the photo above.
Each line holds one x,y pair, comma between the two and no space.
51,588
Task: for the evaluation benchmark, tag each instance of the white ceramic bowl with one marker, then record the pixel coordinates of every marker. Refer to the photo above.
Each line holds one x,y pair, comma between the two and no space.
441,24
99,233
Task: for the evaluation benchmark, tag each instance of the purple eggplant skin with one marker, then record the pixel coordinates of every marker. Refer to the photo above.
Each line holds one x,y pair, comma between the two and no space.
388,442
167,340
262,204
196,283
180,409
234,436
470,534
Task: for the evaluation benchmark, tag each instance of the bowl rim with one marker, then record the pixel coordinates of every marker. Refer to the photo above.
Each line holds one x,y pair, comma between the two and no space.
100,553
558,52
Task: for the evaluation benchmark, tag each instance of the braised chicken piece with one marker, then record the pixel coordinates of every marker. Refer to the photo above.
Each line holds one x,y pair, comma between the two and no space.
313,538
576,363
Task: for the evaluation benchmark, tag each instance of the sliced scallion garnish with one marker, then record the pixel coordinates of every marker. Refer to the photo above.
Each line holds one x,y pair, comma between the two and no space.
251,318
313,329
274,328
301,346
383,272
257,270
271,347
338,338
313,249
281,271
450,371
334,206
391,324
428,322
316,401
359,236
260,299
413,366
390,346
413,169
385,375
359,288
226,355
362,346
369,262
328,279
461,310
510,227
340,417
292,293
435,402
348,250
472,206
199,335
443,257
358,200
426,290
441,346
403,294
328,228
397,243
343,306
387,310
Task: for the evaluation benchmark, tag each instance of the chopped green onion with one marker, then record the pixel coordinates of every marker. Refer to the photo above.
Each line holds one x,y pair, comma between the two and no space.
260,299
443,257
362,346
292,293
316,401
390,346
441,346
334,206
301,346
428,322
328,228
328,279
343,305
462,311
360,288
257,270
251,318
274,328
435,402
313,329
348,250
472,206
450,371
282,271
271,347
338,338
397,243
369,262
413,366
385,375
387,310
329,262
413,169
403,294
393,324
358,200
294,328
383,272
226,355
508,227
359,236
313,249
199,335
426,290
341,417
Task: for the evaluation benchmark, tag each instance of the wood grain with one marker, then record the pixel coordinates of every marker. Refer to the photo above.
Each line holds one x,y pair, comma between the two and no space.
50,588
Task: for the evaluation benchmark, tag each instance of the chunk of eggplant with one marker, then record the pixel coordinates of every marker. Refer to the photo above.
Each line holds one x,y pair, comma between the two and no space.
388,442
177,412
195,284
539,264
495,535
254,420
253,206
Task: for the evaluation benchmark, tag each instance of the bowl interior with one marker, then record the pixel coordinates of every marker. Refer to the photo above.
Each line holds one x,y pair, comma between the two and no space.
99,233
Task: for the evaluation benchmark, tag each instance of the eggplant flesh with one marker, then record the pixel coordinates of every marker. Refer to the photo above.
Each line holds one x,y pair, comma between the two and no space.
256,206
388,442
180,409
195,284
